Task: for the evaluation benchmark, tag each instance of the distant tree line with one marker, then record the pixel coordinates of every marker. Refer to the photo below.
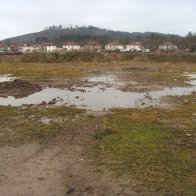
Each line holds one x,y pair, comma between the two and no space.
81,34
54,27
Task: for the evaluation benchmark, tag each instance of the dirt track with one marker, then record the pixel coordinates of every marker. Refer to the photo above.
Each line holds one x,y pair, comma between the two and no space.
60,168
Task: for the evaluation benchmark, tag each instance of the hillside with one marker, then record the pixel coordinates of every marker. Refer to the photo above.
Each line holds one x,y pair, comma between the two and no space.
81,34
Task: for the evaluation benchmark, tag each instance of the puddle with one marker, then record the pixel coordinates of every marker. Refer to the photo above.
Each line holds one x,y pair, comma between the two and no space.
177,91
98,98
103,79
6,78
93,98
192,78
110,80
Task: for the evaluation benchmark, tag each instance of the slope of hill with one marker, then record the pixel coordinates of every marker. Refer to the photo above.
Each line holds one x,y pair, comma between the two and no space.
80,34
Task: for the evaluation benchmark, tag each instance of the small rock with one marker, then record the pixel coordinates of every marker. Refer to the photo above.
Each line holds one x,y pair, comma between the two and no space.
71,190
41,178
186,101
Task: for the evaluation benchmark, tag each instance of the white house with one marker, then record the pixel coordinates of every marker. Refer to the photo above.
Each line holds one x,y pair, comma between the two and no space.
168,46
48,47
134,46
112,46
69,46
92,46
23,47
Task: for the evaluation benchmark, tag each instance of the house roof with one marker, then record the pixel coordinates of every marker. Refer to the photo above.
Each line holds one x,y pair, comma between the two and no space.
168,44
71,44
20,45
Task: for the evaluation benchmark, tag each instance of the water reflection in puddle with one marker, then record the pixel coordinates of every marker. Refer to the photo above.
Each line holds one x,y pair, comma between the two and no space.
93,98
98,97
109,80
192,78
7,78
103,79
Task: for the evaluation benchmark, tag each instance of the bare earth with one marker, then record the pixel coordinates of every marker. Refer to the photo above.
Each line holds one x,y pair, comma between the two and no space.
62,166
57,169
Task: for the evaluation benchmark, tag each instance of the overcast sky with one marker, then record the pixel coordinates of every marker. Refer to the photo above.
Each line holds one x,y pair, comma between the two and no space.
19,17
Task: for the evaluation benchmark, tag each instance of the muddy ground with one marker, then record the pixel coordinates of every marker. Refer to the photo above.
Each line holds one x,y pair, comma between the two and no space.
53,158
134,79
18,88
58,165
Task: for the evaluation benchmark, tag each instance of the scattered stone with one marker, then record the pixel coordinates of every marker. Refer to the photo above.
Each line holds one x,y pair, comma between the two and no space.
70,191
45,120
41,178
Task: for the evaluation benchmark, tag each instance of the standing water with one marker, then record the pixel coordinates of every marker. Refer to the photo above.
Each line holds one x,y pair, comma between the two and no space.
99,97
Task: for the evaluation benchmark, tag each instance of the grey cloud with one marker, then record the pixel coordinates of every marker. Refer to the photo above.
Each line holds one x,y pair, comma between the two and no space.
25,16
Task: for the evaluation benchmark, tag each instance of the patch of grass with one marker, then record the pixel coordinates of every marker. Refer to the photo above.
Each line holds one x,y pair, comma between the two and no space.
155,146
90,56
42,70
172,57
25,124
160,74
41,57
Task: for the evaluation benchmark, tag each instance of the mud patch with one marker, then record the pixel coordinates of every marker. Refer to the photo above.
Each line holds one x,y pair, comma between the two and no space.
100,93
18,88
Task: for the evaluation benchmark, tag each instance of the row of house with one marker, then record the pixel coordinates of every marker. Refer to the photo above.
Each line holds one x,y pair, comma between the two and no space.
73,46
117,46
111,46
27,47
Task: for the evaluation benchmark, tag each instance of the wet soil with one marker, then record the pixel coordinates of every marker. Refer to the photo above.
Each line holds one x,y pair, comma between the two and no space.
61,167
18,88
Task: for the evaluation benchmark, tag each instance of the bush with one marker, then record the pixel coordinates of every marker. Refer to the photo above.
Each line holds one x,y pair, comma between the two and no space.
90,56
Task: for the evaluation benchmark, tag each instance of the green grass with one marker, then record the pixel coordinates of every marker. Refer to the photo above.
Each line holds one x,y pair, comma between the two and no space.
42,70
24,124
150,145
165,72
155,146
